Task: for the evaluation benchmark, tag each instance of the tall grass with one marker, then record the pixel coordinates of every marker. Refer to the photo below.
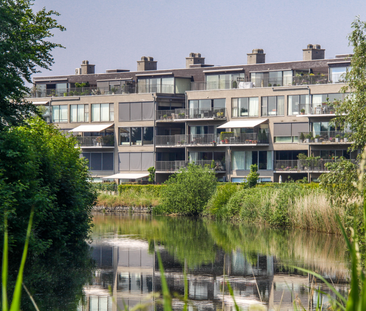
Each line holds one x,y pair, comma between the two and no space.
129,198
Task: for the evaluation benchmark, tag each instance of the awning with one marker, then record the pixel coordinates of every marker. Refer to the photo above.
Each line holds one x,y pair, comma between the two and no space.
40,103
126,176
242,124
91,128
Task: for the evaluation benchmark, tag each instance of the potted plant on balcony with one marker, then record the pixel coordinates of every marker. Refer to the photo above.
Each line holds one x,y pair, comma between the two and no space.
309,138
337,137
181,115
302,137
302,111
99,140
317,138
164,116
346,137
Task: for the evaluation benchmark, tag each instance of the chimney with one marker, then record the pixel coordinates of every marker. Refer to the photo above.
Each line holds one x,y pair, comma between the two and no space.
313,51
86,68
146,63
194,59
256,57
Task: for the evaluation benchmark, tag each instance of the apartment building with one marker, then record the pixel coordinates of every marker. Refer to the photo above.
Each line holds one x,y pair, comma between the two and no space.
227,117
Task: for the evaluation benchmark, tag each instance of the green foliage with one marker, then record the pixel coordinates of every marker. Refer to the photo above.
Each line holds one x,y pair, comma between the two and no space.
252,177
222,195
151,171
105,186
352,111
41,167
23,48
154,190
188,191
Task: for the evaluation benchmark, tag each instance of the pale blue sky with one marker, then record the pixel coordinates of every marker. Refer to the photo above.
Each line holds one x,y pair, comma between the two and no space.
115,33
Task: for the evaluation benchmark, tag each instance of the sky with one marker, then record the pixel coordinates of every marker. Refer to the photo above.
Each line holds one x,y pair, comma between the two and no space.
114,34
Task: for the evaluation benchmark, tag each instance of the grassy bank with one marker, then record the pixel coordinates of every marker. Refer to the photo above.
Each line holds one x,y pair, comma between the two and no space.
289,205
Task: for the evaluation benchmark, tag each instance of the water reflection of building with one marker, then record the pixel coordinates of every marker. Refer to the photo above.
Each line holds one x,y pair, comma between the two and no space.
128,274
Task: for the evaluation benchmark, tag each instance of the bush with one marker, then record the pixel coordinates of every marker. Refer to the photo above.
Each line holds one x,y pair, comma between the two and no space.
41,167
222,195
188,191
153,190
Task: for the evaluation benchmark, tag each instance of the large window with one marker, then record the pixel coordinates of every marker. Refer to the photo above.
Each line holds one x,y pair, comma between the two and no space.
338,74
206,108
136,136
223,81
59,113
242,160
79,113
156,85
271,78
99,161
273,105
244,107
298,104
102,112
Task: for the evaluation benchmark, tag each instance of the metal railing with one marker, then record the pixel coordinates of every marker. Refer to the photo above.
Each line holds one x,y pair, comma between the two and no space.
89,141
304,165
83,91
170,140
173,166
210,113
323,137
244,138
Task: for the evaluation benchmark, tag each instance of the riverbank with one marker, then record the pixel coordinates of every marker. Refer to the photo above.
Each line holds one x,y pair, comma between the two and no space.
288,205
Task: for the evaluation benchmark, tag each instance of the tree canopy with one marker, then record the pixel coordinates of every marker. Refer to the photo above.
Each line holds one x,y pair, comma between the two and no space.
352,111
24,47
40,167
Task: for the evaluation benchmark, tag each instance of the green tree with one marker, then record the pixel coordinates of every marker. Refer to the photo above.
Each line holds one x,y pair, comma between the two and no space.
151,171
23,48
252,177
352,110
40,167
188,191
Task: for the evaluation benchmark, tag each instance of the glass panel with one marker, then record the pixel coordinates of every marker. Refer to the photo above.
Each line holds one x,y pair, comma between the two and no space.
148,135
124,135
269,160
95,112
142,85
243,107
111,112
219,103
136,136
80,113
86,111
283,139
167,85
193,108
204,105
338,74
272,107
63,113
234,107
56,113
104,108
287,78
155,85
262,160
248,160
238,160
212,82
253,107
293,104
225,82
280,105
73,113
275,78
264,106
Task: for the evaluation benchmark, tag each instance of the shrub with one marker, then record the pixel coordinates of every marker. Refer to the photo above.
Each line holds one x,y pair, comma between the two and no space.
222,195
252,177
153,190
188,191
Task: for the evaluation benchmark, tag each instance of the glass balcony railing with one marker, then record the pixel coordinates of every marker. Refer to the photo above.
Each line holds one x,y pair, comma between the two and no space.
96,141
324,137
306,165
183,114
83,91
244,138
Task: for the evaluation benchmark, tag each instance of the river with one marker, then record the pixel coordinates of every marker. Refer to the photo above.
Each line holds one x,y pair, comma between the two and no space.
258,262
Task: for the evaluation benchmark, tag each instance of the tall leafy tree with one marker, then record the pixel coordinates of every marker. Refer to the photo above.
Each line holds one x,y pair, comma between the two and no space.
352,111
23,48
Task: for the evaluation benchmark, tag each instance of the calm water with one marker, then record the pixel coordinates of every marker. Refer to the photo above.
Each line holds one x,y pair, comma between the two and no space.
258,263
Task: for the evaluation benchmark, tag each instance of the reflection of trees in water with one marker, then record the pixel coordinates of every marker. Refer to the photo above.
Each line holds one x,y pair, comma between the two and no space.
55,279
198,240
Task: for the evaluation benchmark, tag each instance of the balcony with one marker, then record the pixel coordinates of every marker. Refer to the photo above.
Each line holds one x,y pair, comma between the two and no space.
328,137
305,79
95,141
306,165
244,139
181,115
173,166
197,140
